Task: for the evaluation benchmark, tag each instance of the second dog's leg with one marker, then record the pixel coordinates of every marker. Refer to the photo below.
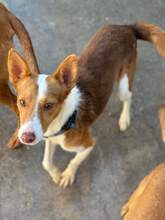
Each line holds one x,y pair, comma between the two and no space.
125,96
48,161
8,99
14,141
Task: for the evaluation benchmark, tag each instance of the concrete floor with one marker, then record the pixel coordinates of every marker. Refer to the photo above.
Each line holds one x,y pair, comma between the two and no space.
120,160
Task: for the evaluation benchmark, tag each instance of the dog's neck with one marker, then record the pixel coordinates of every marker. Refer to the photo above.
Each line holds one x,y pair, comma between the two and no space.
71,103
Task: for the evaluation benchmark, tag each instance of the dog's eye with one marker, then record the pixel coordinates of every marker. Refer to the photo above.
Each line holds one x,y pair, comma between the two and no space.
22,102
48,106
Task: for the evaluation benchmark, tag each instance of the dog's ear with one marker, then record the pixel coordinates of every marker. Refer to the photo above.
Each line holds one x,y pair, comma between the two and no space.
66,72
17,67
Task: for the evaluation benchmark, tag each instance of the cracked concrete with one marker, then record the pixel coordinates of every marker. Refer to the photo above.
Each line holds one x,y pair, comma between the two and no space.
120,160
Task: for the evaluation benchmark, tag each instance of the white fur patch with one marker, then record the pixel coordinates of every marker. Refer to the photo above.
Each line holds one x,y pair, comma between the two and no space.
76,149
34,124
42,86
124,120
124,92
70,104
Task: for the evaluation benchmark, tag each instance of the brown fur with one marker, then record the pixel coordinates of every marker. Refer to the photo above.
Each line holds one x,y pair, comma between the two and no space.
110,53
28,96
148,200
151,33
10,25
80,136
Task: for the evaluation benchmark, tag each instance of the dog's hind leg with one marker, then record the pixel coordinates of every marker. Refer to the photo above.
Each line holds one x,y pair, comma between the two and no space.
7,98
125,94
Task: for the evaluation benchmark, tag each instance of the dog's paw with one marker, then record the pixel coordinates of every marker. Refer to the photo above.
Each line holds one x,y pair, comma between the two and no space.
14,142
67,178
55,175
124,122
124,210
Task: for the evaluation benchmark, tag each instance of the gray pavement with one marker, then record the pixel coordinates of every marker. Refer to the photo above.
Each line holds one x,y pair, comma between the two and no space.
120,160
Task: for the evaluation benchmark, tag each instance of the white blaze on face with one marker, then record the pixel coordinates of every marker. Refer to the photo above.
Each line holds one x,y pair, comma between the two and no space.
33,125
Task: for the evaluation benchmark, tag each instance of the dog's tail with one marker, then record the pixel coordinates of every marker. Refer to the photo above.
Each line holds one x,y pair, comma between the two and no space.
24,39
151,33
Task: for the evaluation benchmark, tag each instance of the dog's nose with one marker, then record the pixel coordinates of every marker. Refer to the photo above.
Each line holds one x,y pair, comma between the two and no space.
28,137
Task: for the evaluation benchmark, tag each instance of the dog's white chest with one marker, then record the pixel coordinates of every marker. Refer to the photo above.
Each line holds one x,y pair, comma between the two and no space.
60,140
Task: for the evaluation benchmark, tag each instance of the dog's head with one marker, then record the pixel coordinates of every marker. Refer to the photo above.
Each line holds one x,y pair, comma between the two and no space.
39,97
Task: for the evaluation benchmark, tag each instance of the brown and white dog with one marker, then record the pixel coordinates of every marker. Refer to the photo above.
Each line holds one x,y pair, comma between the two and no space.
148,200
61,107
10,25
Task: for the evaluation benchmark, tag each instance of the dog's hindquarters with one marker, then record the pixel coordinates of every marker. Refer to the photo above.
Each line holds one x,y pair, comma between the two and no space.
146,32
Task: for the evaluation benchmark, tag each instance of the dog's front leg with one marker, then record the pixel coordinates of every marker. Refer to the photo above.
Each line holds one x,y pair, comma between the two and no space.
48,161
68,176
